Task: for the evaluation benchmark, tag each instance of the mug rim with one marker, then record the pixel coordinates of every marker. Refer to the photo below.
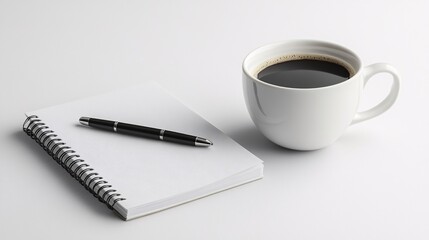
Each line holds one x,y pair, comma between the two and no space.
308,42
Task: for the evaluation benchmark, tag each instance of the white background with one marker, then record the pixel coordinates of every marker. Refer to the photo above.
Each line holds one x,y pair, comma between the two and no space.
371,184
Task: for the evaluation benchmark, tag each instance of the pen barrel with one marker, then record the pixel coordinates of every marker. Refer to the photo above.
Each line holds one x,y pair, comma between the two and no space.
141,131
100,123
176,137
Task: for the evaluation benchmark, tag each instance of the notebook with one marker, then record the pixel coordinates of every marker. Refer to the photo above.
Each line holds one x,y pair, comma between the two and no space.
135,176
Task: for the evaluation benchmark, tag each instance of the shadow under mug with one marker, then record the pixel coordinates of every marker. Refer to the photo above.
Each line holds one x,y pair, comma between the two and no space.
309,118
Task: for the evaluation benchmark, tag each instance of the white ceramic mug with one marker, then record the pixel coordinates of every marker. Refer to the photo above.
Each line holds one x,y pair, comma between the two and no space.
309,118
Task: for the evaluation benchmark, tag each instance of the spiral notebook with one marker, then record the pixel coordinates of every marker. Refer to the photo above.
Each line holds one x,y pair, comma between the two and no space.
135,176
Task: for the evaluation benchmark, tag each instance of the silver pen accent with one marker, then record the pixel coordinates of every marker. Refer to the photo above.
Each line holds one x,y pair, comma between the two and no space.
161,134
115,126
202,142
84,121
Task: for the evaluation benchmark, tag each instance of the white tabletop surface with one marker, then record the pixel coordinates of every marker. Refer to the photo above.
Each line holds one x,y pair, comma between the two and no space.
373,183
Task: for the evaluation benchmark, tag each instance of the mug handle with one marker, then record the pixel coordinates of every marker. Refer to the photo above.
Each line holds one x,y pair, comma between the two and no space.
380,108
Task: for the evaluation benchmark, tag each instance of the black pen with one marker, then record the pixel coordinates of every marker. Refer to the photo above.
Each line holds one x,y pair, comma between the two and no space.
147,132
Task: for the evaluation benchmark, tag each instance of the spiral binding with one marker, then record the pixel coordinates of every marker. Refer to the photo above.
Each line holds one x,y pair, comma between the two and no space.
71,161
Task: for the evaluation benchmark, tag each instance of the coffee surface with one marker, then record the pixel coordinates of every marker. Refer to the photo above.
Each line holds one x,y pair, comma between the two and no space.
304,73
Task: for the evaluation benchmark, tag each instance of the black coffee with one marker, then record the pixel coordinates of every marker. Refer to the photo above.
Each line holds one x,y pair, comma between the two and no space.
304,73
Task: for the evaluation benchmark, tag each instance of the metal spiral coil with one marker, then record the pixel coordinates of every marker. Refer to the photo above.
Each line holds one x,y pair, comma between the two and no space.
71,161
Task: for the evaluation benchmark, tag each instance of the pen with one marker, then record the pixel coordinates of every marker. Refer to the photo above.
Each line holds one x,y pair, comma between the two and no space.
147,132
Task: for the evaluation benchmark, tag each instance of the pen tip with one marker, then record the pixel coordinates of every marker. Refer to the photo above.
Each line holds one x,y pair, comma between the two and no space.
84,121
202,142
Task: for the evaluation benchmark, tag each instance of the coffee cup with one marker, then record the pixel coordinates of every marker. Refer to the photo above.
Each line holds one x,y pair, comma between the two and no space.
303,94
